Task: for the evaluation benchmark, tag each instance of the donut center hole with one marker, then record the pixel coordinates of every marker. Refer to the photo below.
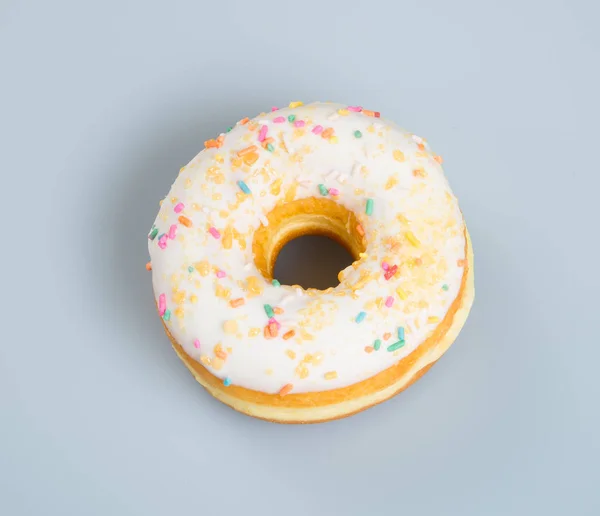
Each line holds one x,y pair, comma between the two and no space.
311,261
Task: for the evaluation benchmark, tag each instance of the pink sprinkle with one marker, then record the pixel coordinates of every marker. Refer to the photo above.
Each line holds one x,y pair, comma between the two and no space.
162,242
197,344
389,301
273,320
299,123
317,129
179,207
162,304
356,109
279,120
172,232
214,232
334,191
385,266
221,274
263,133
274,108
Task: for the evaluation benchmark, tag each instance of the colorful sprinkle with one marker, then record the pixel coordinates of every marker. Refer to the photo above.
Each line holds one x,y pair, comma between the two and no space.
167,315
401,293
331,375
162,304
377,345
173,232
323,190
334,191
270,147
279,120
291,118
190,269
288,334
153,234
412,238
355,109
269,311
389,301
327,133
179,207
369,207
162,241
299,123
445,287
244,187
262,134
317,129
227,381
234,303
360,317
275,283
286,389
390,272
360,230
357,134
221,274
385,266
432,319
401,333
274,108
185,221
396,345
214,232
149,266
247,150
228,129
369,349
196,343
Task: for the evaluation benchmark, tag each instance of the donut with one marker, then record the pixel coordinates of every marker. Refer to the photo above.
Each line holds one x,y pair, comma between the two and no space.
288,354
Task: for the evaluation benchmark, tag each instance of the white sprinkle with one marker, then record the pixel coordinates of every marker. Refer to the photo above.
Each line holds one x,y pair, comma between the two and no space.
356,168
263,220
417,139
342,178
248,266
333,116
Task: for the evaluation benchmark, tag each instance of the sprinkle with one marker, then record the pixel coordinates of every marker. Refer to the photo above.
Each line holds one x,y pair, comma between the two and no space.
412,238
299,123
244,121
248,266
179,207
185,221
214,232
234,303
221,354
167,315
269,311
343,112
432,319
270,147
417,139
331,375
355,109
286,389
396,345
262,134
390,272
334,191
196,343
295,104
387,335
385,266
230,326
389,301
438,159
317,129
162,304
398,156
244,187
274,108
369,207
460,263
401,332
360,317
333,116
190,269
401,293
369,349
445,287
247,150
357,134
327,133
291,118
250,159
278,310
279,120
153,234
273,329
355,168
172,232
275,322
227,381
149,266
275,283
228,129
263,220
162,241
377,345
323,190
360,230
288,334
221,274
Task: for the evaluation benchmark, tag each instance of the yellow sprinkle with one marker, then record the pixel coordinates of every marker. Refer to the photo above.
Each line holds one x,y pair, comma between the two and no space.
290,353
331,375
253,332
302,371
222,292
254,286
399,156
218,158
217,363
179,312
412,238
333,139
205,360
401,294
230,326
433,319
203,267
296,104
193,298
343,112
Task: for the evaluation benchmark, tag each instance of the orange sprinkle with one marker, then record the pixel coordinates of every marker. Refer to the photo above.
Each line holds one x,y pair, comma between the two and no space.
267,333
214,143
286,389
386,336
421,146
368,112
247,150
185,221
278,310
369,349
220,140
288,334
221,354
273,329
244,121
360,230
418,261
266,142
250,159
327,133
149,266
438,159
237,302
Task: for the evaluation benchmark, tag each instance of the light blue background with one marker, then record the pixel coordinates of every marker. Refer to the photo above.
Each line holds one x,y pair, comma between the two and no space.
102,102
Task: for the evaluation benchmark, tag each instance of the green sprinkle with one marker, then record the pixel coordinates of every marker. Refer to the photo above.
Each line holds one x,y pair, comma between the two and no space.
167,315
270,147
227,381
244,187
377,345
190,269
291,118
228,129
401,333
269,311
396,345
360,317
323,190
445,287
369,209
357,134
275,283
153,233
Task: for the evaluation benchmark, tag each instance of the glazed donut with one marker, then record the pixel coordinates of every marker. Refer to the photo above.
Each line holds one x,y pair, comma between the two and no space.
293,355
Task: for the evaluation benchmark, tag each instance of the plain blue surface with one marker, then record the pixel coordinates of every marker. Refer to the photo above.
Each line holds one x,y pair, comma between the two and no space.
102,102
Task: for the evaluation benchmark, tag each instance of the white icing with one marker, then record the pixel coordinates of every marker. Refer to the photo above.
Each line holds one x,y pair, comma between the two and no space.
421,203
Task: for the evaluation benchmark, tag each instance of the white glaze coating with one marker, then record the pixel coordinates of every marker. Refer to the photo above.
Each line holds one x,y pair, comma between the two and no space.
411,197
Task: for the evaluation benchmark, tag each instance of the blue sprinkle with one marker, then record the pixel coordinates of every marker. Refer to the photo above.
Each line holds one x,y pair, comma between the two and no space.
445,287
401,333
190,269
167,315
244,187
276,283
227,381
361,317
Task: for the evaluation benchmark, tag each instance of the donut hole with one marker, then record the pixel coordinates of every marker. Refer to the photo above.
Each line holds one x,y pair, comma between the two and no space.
310,260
